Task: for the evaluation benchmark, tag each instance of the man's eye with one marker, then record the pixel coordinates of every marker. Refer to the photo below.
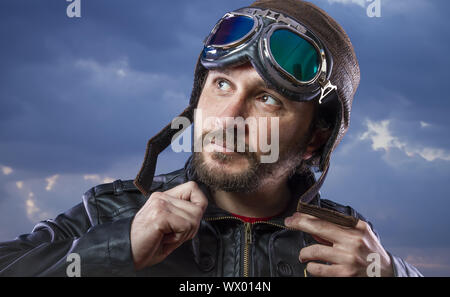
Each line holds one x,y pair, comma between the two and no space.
269,100
223,85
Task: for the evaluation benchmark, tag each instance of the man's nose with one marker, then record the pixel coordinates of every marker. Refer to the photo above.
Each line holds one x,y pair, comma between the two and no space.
233,107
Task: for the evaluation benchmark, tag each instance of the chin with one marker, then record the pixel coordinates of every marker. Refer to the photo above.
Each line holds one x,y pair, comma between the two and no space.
227,172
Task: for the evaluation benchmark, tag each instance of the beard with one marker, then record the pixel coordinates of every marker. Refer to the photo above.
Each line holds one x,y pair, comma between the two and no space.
255,175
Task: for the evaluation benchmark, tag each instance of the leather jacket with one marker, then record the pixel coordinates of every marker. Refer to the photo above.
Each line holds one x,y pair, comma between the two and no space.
98,229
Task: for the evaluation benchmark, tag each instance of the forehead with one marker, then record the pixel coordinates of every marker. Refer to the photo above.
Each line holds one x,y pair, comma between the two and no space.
246,69
242,73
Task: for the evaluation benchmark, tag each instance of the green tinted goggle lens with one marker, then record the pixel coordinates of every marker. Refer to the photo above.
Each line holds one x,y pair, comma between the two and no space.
295,55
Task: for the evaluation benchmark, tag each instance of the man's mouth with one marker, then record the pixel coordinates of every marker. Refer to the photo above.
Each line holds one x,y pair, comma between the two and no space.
221,148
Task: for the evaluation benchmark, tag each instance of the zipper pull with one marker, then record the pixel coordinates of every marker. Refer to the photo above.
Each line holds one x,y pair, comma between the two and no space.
248,233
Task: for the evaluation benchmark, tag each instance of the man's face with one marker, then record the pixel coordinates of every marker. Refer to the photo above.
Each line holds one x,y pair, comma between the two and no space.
241,92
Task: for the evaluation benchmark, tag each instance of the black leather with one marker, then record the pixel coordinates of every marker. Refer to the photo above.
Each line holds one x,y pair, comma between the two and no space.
98,229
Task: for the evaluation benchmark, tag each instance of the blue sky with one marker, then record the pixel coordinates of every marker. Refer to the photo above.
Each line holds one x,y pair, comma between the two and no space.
79,98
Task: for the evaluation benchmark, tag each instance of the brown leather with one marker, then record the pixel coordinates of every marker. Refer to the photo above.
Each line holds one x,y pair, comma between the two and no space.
328,215
346,73
155,146
309,195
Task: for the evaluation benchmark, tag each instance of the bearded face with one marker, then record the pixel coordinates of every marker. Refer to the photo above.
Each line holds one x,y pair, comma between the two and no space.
241,92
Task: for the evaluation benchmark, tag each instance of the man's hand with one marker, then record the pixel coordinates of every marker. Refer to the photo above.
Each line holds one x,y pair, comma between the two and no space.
346,251
166,221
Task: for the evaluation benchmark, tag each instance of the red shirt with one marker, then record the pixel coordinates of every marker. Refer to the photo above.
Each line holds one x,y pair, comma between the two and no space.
251,220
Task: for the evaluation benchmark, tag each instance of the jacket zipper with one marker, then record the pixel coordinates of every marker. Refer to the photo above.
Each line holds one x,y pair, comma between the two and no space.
248,241
247,236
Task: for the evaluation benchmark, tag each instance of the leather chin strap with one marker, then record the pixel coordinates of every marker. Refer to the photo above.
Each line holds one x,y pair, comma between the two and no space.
304,206
155,146
311,193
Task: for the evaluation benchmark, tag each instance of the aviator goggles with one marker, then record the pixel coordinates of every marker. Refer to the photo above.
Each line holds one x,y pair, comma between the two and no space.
281,49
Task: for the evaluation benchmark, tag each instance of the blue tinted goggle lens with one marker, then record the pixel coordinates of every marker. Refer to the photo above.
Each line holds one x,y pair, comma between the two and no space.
232,29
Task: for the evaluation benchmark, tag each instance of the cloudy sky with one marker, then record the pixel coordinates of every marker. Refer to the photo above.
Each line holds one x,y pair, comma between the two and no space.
79,98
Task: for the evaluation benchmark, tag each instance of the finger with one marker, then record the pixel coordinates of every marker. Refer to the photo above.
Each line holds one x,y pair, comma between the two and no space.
188,206
189,211
364,227
170,243
322,241
324,270
318,252
171,238
160,207
321,228
191,219
189,191
179,227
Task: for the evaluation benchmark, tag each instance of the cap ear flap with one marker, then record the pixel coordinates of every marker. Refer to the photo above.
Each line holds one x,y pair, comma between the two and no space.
155,146
200,75
334,106
163,138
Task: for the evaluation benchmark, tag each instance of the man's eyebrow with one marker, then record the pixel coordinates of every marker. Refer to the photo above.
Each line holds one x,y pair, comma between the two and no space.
261,82
225,71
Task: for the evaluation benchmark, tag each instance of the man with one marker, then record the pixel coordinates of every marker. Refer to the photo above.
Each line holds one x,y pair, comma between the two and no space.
227,213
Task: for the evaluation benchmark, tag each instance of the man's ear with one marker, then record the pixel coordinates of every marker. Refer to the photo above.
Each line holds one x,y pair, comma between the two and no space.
318,139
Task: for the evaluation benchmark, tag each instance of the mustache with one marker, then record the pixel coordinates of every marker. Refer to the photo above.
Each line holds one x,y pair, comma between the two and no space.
221,137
